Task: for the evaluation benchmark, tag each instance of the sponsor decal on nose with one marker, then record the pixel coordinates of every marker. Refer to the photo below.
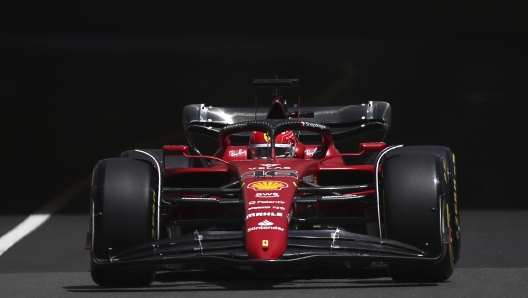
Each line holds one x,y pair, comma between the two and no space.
267,195
259,214
266,207
267,185
265,225
266,202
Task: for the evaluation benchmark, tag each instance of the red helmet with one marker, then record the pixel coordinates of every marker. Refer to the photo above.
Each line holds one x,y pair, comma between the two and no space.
259,144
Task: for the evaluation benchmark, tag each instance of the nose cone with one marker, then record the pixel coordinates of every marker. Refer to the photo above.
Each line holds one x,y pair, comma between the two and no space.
268,207
268,190
266,235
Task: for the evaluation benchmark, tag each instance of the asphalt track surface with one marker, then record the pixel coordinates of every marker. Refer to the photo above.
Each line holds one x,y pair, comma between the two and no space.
52,262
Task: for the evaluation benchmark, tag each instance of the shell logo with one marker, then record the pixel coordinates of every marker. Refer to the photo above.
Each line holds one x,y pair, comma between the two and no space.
267,185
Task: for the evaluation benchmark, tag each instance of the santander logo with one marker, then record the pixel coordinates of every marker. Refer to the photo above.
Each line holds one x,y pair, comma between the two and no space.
265,223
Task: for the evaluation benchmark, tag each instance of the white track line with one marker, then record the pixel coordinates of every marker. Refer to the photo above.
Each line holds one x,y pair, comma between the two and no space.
40,216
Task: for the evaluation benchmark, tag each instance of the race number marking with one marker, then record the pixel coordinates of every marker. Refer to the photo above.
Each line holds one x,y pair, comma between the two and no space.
269,174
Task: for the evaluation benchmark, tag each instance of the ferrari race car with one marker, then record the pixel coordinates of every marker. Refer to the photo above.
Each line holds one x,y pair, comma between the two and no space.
270,190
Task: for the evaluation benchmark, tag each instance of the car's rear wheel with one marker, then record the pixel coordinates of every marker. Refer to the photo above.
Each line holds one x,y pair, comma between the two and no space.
450,165
123,215
416,212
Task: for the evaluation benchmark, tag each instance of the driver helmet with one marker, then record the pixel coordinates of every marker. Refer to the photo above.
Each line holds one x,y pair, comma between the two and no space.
259,144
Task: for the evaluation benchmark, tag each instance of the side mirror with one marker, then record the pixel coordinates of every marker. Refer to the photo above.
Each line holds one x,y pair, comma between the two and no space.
171,150
372,147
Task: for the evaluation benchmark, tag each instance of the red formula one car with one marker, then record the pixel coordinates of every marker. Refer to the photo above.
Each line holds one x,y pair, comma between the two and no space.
276,194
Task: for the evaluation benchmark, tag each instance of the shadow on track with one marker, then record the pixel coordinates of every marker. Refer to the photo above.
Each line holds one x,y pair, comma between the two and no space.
197,281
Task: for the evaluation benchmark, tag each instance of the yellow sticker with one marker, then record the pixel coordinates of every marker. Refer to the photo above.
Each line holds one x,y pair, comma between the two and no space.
266,137
267,185
265,243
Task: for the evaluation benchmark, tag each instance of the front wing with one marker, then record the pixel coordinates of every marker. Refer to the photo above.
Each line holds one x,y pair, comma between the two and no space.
304,246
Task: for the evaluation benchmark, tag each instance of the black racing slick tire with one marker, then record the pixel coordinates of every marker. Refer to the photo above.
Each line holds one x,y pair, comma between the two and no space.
450,166
415,212
123,214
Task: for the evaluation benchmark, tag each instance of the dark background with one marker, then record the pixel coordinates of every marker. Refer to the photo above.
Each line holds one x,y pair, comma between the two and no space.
81,81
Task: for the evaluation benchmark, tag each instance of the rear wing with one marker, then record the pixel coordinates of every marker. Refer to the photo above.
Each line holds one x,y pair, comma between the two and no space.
356,122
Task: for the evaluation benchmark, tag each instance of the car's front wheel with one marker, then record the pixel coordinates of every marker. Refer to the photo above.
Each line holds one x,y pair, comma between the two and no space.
416,211
448,158
123,214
